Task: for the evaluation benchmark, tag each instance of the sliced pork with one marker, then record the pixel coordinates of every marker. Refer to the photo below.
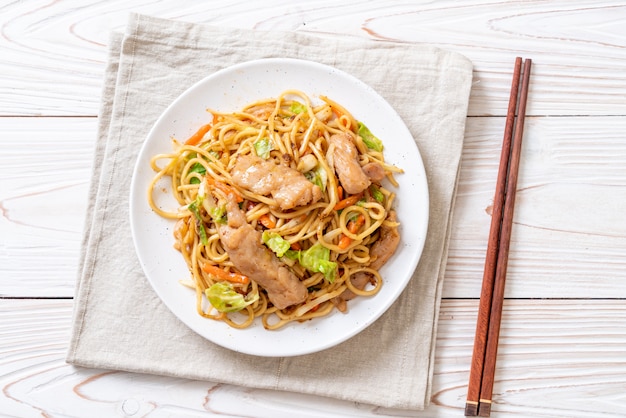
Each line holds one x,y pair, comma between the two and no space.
346,161
387,243
374,171
359,280
243,244
380,253
287,186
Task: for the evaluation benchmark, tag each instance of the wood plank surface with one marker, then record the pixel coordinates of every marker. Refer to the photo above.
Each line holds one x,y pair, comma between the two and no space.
49,48
563,339
44,180
577,252
569,232
559,365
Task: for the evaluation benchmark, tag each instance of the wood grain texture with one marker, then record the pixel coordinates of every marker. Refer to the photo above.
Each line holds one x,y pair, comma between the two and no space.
554,361
559,357
576,163
568,234
44,180
579,47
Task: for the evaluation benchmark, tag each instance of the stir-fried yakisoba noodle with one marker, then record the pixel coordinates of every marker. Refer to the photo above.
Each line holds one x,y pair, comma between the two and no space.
282,211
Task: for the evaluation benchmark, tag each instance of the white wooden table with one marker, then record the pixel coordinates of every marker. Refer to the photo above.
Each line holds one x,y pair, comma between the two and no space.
563,341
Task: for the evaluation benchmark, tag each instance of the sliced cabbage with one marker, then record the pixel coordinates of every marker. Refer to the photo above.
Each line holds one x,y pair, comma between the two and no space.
318,176
197,168
223,297
369,139
218,214
194,207
297,107
317,260
263,147
275,243
377,194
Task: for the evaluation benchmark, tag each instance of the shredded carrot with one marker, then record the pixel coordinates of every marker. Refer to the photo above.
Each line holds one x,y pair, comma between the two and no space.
225,188
344,242
197,137
345,122
225,275
342,119
296,246
343,116
348,201
267,221
353,227
339,193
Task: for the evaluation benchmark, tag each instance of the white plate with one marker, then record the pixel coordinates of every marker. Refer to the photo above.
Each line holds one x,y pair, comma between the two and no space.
229,90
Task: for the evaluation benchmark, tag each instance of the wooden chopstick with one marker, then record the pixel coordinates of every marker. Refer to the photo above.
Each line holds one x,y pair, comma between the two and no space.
484,408
492,293
484,309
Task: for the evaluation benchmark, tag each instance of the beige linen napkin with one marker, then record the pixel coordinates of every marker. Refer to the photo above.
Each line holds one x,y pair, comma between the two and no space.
120,323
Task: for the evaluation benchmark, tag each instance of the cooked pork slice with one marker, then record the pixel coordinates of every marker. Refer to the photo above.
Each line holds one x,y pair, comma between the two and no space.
374,171
243,244
387,243
381,252
359,280
345,158
287,186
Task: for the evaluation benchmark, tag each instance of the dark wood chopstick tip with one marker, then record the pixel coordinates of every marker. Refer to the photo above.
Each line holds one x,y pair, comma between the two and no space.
471,409
484,410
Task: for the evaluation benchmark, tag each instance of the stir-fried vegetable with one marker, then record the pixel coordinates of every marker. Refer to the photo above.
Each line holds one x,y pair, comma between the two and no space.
198,135
316,259
263,147
371,141
297,107
275,243
194,207
267,221
348,201
377,194
353,226
225,188
317,176
223,297
225,275
197,168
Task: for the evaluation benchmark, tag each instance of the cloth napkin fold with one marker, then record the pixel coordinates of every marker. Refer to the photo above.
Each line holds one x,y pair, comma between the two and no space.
120,323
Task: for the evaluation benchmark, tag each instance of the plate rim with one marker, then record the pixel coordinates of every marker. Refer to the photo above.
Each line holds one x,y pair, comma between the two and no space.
418,250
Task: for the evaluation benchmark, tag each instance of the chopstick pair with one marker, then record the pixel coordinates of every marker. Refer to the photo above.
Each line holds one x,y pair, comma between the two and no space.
492,294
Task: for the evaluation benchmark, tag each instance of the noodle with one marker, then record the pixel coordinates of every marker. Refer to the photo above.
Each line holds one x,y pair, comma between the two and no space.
293,132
